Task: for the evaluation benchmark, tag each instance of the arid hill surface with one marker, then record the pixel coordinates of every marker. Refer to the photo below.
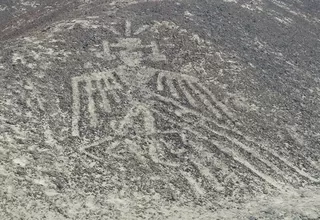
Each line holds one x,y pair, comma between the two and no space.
143,109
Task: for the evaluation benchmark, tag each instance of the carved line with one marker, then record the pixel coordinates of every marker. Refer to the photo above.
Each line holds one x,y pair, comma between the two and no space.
141,29
225,150
75,107
223,133
188,80
88,79
228,114
127,32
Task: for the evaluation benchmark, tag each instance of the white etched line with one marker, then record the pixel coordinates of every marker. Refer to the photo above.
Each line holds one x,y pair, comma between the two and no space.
204,100
105,101
133,148
75,107
127,119
247,149
36,93
149,121
135,112
189,97
94,144
299,171
118,81
285,161
128,29
225,149
92,156
156,55
207,174
91,104
113,30
106,82
220,57
141,29
238,143
172,88
219,104
106,50
115,96
223,134
154,155
160,86
199,191
244,147
188,110
170,146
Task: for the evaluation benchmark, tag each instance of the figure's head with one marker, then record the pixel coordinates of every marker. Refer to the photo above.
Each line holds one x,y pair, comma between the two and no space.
132,58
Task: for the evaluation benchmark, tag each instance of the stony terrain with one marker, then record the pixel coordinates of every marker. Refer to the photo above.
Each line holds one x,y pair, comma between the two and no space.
149,109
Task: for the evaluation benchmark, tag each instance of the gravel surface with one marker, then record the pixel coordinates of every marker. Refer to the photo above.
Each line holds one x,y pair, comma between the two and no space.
150,109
